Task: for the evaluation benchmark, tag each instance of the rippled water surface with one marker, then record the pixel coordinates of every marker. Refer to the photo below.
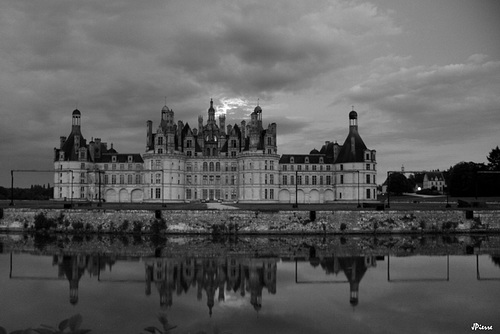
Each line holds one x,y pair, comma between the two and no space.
348,292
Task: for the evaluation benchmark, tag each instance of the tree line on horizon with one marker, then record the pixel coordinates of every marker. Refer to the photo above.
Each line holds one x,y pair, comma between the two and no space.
34,193
464,179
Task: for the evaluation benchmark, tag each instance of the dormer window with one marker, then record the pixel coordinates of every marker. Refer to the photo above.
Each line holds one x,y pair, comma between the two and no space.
307,160
320,160
113,158
129,158
292,160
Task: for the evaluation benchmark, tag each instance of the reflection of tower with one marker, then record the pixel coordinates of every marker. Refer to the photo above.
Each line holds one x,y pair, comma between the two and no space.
221,277
163,273
210,282
354,268
255,283
73,268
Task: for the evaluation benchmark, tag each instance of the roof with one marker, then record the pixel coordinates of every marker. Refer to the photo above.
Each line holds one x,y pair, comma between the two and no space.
301,158
121,157
434,176
348,153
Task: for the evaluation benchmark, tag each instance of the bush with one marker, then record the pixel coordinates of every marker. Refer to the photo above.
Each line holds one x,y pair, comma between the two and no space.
43,223
343,226
137,227
158,226
77,225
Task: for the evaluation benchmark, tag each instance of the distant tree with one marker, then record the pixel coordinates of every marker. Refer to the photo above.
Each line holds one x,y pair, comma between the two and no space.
398,184
494,159
464,180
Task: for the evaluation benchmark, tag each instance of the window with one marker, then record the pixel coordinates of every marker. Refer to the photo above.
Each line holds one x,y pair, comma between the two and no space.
233,153
122,179
158,192
217,166
160,151
307,179
328,167
367,166
299,167
367,178
292,160
299,180
233,179
269,141
307,160
189,153
113,179
314,167
188,193
82,192
328,179
205,179
106,179
189,168
160,140
265,178
291,168
271,179
284,167
122,166
233,143
138,178
82,166
368,193
129,159
113,166
105,166
285,179
113,158
271,193
265,193
189,144
205,166
341,167
272,165
314,180
129,179
341,179
307,167
211,167
188,179
158,178
234,167
292,180
265,165
321,180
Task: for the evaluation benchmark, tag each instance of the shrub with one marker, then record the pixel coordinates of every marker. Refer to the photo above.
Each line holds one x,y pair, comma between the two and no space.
343,226
77,225
124,226
137,227
158,226
43,223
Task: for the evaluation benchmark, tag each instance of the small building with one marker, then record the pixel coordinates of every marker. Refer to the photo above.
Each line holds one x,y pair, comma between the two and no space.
434,181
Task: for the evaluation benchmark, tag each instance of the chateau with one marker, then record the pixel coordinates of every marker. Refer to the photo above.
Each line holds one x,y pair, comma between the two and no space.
213,162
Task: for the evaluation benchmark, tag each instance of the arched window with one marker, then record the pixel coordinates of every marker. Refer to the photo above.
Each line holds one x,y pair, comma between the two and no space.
205,166
217,166
211,166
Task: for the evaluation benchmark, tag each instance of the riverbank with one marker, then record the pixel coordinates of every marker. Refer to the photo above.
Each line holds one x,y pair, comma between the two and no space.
247,222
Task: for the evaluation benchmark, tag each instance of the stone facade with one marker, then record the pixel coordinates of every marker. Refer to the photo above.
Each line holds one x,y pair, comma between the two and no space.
213,162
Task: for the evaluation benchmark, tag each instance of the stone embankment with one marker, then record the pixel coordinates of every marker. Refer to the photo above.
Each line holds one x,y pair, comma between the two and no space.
247,222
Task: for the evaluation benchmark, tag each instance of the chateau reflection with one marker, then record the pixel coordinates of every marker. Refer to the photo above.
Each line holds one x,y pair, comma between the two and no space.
215,278
243,275
73,267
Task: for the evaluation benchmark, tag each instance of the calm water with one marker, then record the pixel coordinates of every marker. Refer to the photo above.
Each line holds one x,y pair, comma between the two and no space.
241,294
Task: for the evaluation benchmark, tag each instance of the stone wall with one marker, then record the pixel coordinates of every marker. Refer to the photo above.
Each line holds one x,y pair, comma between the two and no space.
250,222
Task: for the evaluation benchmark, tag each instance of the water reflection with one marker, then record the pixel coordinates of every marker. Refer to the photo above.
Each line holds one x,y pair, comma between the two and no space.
303,278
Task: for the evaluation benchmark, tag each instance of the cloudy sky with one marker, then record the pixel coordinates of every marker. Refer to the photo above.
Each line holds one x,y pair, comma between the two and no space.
424,76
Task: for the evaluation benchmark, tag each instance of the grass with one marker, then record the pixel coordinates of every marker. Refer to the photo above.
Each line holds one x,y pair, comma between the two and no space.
406,202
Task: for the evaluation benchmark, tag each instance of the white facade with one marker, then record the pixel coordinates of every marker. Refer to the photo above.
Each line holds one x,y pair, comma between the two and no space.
213,162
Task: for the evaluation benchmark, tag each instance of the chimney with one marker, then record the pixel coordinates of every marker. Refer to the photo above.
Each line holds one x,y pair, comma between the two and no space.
62,141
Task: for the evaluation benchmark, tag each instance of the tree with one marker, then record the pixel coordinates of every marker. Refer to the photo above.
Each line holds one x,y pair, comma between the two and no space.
398,184
494,159
464,180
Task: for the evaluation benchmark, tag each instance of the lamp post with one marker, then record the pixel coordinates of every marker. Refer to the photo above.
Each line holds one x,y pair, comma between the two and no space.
71,195
11,188
359,205
388,190
296,205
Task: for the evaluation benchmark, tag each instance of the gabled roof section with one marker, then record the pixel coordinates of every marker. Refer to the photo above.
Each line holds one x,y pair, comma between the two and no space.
301,158
121,158
353,148
69,144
